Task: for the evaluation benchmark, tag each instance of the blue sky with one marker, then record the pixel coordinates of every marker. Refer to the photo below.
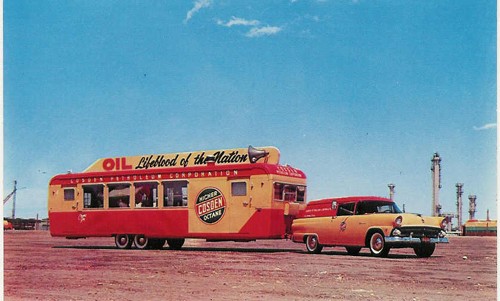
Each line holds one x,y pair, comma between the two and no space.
358,94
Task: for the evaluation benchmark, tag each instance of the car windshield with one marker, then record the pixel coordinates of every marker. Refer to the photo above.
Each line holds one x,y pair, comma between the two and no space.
365,207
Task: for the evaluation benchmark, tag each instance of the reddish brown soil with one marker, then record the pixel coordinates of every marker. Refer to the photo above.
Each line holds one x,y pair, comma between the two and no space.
39,267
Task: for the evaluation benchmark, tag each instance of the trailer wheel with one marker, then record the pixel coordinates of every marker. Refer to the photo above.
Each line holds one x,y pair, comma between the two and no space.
175,244
123,241
378,247
424,250
141,242
312,244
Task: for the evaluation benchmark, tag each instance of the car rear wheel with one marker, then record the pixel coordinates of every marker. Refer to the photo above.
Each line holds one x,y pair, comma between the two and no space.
378,246
312,244
424,250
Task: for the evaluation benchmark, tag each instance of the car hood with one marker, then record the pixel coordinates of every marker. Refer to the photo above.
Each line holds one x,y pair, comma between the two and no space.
411,219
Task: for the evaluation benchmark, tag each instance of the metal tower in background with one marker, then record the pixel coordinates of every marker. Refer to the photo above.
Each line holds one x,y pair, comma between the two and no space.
391,191
436,184
472,207
459,205
13,196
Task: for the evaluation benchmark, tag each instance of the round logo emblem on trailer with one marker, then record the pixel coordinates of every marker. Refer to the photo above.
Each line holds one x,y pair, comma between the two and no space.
210,205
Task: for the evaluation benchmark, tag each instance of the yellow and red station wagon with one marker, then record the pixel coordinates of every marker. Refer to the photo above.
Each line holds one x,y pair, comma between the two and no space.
366,221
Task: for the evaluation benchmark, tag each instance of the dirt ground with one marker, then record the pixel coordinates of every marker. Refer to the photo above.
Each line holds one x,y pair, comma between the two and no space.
39,267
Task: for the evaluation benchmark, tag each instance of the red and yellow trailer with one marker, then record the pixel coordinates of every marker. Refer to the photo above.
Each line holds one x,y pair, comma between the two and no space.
233,194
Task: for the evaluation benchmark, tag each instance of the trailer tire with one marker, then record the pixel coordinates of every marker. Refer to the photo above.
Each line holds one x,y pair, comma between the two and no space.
123,241
141,242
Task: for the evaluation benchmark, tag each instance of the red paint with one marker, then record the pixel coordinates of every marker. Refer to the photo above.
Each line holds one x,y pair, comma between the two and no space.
170,223
159,223
116,164
323,207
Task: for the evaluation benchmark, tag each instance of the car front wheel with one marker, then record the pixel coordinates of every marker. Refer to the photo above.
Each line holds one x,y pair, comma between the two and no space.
378,246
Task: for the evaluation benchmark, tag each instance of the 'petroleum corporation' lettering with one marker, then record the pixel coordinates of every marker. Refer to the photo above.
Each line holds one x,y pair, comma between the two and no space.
210,205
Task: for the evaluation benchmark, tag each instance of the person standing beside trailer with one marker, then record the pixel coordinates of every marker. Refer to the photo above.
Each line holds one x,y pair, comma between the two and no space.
232,194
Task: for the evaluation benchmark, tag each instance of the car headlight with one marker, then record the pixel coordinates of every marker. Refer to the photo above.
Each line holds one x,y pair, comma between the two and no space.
444,223
397,222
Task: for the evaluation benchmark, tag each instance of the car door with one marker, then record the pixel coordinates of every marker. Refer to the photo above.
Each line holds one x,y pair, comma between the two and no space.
357,226
340,222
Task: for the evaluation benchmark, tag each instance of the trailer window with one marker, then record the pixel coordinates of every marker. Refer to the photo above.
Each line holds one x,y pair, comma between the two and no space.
175,193
119,195
93,196
301,194
146,195
69,194
289,192
278,191
239,188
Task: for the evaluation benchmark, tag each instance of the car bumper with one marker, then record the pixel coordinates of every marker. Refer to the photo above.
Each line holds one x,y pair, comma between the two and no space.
414,240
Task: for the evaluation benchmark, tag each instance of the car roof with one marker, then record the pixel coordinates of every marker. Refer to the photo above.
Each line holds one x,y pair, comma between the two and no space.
349,199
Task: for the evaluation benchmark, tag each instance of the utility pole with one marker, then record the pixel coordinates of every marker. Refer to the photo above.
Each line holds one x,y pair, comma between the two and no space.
12,196
14,200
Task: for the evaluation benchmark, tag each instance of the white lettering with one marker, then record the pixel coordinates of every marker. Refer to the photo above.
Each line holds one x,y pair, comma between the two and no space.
210,205
212,215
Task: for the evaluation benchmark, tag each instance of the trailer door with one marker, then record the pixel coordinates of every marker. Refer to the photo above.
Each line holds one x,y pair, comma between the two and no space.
241,201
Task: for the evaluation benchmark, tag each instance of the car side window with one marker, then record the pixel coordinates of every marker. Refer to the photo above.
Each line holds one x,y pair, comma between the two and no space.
360,208
346,209
365,208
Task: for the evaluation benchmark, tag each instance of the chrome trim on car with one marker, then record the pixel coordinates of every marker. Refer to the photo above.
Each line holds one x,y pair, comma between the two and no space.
397,239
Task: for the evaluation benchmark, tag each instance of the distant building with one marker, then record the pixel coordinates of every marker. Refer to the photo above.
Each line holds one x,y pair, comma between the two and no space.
45,224
480,228
27,223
